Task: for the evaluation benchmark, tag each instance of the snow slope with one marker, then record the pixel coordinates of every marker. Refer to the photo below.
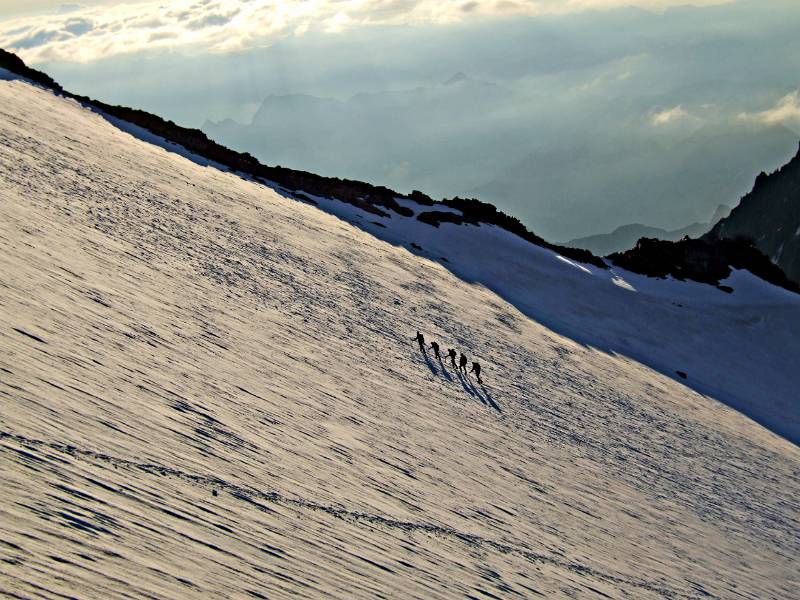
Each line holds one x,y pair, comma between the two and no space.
740,348
210,389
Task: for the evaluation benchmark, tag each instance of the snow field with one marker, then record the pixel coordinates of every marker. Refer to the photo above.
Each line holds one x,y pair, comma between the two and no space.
207,388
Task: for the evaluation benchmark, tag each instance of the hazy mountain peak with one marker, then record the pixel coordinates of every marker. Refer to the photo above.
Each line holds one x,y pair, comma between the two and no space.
722,211
457,78
294,107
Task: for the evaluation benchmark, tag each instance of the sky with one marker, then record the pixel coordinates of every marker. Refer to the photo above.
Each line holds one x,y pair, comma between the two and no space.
93,30
575,115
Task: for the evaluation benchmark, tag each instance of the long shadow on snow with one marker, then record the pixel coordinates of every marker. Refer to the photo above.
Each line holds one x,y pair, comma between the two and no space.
469,389
489,400
146,136
444,370
428,362
484,397
366,222
675,371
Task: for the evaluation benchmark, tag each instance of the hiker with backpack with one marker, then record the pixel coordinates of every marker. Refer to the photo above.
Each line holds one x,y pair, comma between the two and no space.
476,368
435,347
462,363
452,354
421,341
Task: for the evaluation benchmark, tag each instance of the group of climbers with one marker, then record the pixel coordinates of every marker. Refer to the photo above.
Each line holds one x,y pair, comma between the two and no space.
451,353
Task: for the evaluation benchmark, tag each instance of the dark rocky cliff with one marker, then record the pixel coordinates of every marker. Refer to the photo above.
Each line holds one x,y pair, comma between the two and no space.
769,217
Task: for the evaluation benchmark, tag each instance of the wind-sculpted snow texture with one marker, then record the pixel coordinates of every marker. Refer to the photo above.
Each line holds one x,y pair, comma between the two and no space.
210,389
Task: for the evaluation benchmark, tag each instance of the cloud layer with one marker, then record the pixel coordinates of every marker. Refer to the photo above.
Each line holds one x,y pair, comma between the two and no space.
785,112
84,34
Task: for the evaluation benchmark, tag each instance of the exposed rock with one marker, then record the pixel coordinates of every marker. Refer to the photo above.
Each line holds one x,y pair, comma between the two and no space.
13,63
475,212
436,217
700,260
305,198
421,198
769,216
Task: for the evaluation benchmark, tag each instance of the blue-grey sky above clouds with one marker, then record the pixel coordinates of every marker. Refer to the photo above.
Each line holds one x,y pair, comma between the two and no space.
575,115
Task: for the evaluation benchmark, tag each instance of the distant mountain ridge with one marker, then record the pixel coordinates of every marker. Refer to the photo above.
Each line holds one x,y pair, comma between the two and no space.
769,216
427,135
626,236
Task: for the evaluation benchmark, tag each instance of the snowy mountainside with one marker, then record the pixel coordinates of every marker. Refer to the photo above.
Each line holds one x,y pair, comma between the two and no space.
739,348
210,389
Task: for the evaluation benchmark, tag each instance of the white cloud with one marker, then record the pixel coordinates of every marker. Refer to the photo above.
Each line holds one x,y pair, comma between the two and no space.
785,111
88,33
669,116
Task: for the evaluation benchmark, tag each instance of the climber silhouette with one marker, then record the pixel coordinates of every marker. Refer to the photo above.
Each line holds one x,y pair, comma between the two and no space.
452,354
421,341
435,347
462,363
476,368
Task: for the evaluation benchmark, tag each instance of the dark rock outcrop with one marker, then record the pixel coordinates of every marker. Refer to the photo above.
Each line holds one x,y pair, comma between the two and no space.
364,195
11,62
368,197
700,260
769,216
421,198
437,217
